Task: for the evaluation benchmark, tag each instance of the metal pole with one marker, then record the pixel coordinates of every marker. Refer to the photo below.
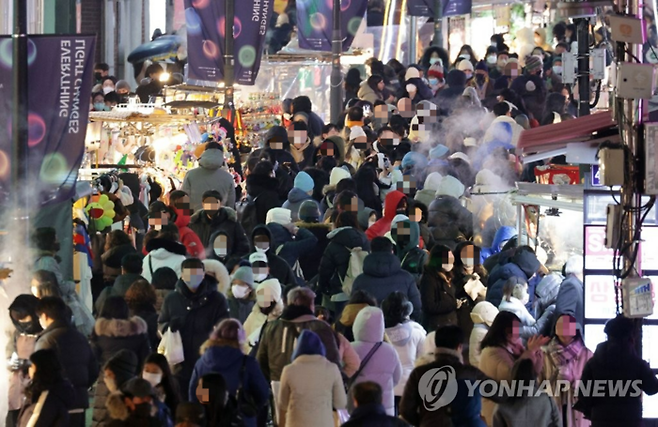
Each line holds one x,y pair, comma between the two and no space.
438,17
229,58
583,67
412,36
19,155
336,94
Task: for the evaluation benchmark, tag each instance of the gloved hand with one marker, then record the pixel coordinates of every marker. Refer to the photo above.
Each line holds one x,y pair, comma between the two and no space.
176,323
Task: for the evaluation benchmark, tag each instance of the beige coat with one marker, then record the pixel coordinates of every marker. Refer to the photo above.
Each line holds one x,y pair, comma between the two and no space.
311,387
550,373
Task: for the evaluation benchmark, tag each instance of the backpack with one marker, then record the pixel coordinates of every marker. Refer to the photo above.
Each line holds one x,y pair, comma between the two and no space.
247,213
296,267
354,268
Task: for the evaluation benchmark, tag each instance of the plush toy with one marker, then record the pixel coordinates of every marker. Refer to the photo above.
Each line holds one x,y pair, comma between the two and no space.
525,43
101,212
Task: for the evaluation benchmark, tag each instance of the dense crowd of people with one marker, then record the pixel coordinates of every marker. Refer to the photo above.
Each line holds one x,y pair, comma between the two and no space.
346,260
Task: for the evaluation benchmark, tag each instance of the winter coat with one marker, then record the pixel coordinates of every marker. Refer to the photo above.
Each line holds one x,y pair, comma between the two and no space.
112,261
383,225
198,313
279,268
23,346
373,415
209,176
224,222
514,305
308,261
382,274
122,416
503,234
551,373
289,247
384,366
295,199
148,314
110,336
264,190
613,361
522,264
121,285
336,258
188,237
350,360
447,97
407,339
57,401
311,402
439,302
79,362
239,308
534,100
449,221
280,336
229,362
570,299
539,409
366,93
163,253
464,410
475,341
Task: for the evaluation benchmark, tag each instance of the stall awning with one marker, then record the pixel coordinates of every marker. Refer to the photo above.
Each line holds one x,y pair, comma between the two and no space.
554,137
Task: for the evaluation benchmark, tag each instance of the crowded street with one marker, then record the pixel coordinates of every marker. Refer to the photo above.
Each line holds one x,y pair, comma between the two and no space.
329,213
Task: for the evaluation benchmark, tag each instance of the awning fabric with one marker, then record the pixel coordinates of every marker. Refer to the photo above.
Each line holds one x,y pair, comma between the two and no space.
552,137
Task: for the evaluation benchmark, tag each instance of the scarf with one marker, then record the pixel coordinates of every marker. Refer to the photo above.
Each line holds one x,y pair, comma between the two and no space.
563,356
515,348
298,153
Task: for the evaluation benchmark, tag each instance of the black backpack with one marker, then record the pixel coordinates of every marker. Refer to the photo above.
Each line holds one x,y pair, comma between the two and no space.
247,213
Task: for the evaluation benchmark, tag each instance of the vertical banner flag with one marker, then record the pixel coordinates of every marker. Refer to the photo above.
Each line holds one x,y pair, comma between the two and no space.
60,78
315,22
450,8
205,38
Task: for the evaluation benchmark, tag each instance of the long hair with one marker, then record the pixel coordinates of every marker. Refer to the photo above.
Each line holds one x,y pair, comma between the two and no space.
169,382
434,267
215,385
499,330
115,307
48,372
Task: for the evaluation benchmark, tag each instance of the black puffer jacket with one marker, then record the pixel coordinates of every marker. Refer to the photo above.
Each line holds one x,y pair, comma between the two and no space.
309,260
112,261
439,302
264,190
336,258
382,275
196,314
225,222
279,268
78,360
449,221
522,264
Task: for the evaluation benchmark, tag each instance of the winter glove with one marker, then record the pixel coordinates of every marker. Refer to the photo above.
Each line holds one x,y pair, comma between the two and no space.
176,324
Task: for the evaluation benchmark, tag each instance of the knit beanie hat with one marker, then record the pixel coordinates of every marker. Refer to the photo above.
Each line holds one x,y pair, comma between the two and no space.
436,71
433,181
304,182
412,73
439,152
465,65
124,366
532,64
281,216
245,274
309,211
482,66
308,343
450,186
337,175
557,58
267,291
138,387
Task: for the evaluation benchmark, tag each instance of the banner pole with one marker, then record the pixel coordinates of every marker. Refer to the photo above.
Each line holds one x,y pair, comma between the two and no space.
438,17
229,58
336,94
19,156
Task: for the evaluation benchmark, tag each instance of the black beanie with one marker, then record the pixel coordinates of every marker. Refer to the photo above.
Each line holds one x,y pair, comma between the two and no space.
124,366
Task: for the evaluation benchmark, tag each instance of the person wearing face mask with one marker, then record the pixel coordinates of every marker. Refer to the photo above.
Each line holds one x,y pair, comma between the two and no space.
80,364
116,331
165,250
481,83
501,349
414,87
101,70
264,243
467,68
434,55
469,280
108,85
242,294
179,202
497,69
22,312
436,78
138,399
49,395
98,101
193,310
268,307
309,220
158,373
436,291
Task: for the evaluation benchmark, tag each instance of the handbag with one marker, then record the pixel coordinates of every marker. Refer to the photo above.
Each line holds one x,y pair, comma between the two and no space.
364,362
246,404
171,346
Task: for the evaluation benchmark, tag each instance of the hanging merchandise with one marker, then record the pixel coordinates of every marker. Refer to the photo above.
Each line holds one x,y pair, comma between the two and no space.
101,212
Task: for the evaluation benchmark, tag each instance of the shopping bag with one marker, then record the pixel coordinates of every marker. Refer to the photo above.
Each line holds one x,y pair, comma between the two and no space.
171,346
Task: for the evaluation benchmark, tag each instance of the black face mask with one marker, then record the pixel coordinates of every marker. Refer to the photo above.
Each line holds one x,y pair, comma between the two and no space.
143,410
97,76
480,78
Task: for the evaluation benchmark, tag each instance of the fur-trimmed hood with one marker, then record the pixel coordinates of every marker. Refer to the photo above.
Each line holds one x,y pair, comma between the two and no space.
117,409
120,327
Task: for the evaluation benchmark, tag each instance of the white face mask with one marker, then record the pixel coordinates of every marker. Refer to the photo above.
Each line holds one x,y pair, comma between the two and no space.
557,69
436,60
371,223
111,384
468,75
465,56
492,59
221,252
259,277
42,323
240,292
411,88
107,89
153,379
447,267
262,250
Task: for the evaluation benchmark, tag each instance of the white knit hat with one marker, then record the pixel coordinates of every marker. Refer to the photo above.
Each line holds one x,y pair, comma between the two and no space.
465,65
412,73
337,175
433,181
281,216
450,186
